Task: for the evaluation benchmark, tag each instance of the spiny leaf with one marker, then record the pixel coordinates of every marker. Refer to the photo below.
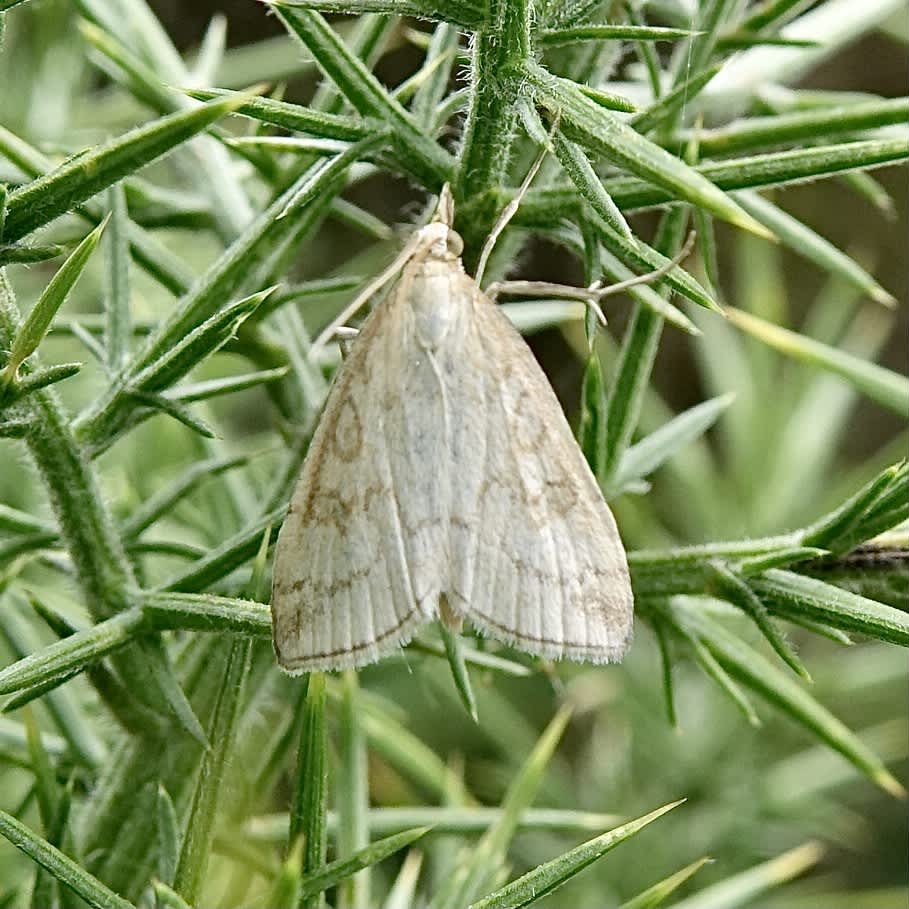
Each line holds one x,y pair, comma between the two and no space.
426,158
848,525
27,253
168,837
166,499
888,388
805,242
458,666
200,391
34,327
60,659
582,174
610,33
799,126
644,457
591,124
736,589
335,872
459,12
788,594
782,690
45,377
309,806
198,344
741,889
654,895
63,868
549,876
189,875
469,878
82,176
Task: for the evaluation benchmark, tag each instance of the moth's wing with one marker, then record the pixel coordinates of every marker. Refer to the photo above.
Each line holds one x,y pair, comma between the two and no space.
536,556
356,559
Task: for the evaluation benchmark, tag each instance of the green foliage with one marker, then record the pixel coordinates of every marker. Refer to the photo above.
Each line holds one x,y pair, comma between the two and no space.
153,754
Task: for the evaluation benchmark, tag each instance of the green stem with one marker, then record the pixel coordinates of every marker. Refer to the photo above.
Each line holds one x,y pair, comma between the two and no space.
190,875
498,52
352,792
125,798
86,527
106,581
309,809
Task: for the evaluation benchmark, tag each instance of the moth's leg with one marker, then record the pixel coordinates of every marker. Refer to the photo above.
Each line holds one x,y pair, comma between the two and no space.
345,335
509,212
590,295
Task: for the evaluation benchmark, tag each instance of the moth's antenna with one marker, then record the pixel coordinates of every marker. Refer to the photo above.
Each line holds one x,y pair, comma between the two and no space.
444,213
510,210
376,284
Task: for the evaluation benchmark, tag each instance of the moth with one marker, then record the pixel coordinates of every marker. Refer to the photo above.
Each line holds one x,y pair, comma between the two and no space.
443,481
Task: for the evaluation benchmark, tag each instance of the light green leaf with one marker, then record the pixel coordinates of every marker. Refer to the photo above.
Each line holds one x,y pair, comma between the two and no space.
310,798
34,327
335,872
457,664
770,169
734,588
223,559
27,253
805,242
59,660
469,878
759,674
82,176
888,388
459,12
61,866
470,821
667,106
207,612
168,837
558,36
788,594
167,498
549,876
190,874
352,789
597,128
656,894
741,889
644,457
582,174
425,158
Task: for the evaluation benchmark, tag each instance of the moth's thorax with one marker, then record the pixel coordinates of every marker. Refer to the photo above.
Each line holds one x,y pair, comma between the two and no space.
436,288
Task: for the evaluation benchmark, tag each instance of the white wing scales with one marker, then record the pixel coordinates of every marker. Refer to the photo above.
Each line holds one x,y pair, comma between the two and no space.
443,464
536,556
354,565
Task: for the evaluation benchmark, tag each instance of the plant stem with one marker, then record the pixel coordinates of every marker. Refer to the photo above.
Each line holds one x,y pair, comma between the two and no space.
499,50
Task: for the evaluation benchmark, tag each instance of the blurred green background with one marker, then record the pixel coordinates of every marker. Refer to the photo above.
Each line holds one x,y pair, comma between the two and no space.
753,793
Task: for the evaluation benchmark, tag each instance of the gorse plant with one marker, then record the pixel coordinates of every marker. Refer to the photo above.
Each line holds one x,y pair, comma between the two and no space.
149,733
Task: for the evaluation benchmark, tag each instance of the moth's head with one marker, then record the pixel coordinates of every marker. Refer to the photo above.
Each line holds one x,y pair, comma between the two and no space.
440,241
